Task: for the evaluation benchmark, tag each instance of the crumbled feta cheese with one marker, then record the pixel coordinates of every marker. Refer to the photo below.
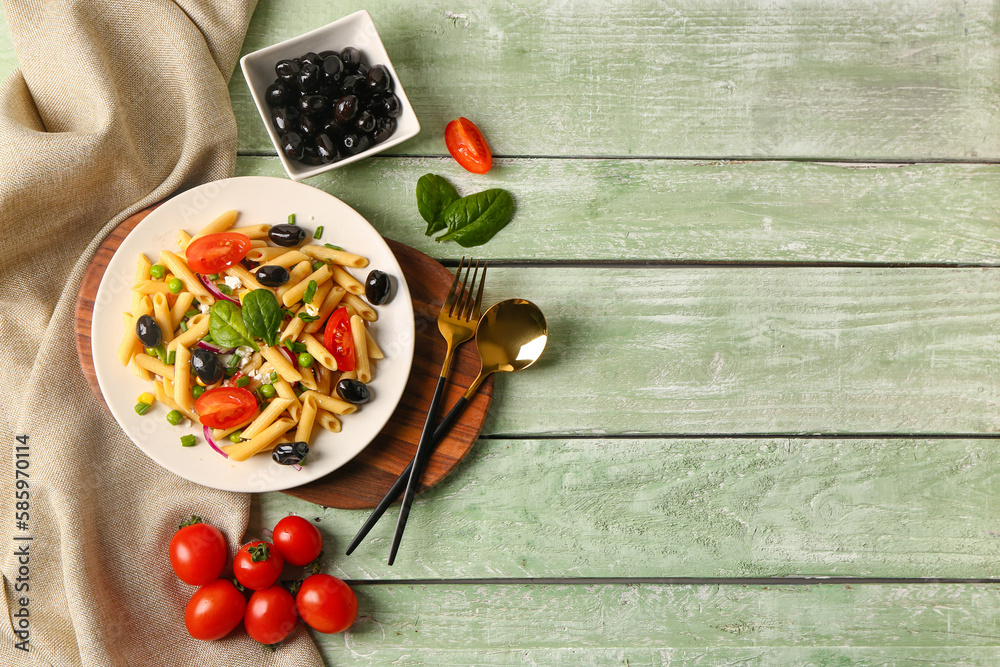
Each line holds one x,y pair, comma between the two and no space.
244,352
233,282
204,307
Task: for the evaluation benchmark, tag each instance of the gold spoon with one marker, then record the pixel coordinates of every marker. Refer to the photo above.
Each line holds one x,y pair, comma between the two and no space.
511,336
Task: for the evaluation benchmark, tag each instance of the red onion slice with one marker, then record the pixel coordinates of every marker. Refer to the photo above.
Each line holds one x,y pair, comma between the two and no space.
211,287
208,436
214,348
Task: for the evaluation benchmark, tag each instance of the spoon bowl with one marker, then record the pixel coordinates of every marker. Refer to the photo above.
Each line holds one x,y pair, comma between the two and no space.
511,336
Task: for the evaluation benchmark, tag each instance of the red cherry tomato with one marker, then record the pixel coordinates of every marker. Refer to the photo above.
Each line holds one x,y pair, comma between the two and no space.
215,253
327,604
337,338
298,540
214,610
466,144
223,407
270,615
198,553
258,565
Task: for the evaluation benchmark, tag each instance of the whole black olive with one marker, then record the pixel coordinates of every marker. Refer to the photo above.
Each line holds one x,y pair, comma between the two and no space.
285,119
148,331
309,126
364,122
276,94
308,78
377,287
388,106
353,391
345,109
291,145
335,131
290,453
323,55
352,144
332,67
206,366
352,84
378,80
271,275
351,57
311,57
326,149
287,70
286,235
314,104
384,127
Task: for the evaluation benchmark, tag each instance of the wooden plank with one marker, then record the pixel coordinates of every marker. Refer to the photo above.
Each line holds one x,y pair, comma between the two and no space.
756,507
755,350
822,625
849,79
695,211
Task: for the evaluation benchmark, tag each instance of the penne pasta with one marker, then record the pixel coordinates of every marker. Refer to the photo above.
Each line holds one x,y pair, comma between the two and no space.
141,274
362,365
130,341
154,365
319,353
151,287
288,258
303,431
308,379
330,303
346,280
267,417
180,269
331,404
183,239
244,450
167,398
220,224
237,271
252,231
328,421
300,271
336,256
360,307
322,379
280,363
182,377
374,351
197,329
180,307
265,254
161,313
296,292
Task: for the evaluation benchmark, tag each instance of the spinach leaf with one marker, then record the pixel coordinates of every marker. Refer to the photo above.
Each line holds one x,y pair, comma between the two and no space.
473,220
262,315
434,195
225,323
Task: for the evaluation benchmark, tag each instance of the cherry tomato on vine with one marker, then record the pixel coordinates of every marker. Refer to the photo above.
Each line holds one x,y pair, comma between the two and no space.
466,144
198,553
327,604
214,610
258,565
270,615
223,407
338,340
214,253
298,540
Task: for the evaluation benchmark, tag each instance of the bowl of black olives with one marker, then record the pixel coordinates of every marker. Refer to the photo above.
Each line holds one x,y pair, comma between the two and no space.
329,97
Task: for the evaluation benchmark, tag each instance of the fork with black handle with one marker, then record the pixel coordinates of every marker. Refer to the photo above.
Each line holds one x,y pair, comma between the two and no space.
457,323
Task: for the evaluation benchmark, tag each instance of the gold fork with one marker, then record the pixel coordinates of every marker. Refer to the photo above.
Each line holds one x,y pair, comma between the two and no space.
457,322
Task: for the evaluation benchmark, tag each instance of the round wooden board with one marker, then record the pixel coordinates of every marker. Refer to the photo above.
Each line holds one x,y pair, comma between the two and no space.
365,479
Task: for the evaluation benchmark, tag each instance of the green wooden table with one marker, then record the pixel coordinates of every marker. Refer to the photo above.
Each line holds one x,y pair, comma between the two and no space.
765,236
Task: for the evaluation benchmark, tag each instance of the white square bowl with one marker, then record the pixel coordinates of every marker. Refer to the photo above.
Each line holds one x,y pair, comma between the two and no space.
357,30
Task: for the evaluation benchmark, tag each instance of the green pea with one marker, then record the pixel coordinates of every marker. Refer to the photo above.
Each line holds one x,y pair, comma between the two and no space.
197,391
157,271
188,440
305,360
175,286
175,417
235,436
267,390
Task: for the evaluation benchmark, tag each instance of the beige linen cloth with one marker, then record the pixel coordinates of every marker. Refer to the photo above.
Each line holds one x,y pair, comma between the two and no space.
117,104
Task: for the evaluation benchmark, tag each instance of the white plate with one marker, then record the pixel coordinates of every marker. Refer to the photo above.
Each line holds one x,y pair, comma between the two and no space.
259,200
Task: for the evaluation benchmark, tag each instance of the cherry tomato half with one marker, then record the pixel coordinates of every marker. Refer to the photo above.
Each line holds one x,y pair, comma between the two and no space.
327,604
198,553
466,144
270,615
215,253
337,338
223,407
214,610
298,540
257,565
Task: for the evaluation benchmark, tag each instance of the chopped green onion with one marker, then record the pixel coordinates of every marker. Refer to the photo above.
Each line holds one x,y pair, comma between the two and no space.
230,372
242,381
175,286
175,417
225,289
299,348
188,440
162,354
333,247
214,276
310,292
306,317
319,233
274,376
151,351
291,218
208,339
192,312
157,271
171,357
142,408
288,345
234,361
184,325
267,390
287,313
197,391
318,265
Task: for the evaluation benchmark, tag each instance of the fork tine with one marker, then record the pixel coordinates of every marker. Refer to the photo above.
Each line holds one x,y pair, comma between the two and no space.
466,313
459,305
477,308
449,302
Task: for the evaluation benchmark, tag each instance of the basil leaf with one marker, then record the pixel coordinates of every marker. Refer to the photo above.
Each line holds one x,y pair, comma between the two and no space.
225,324
473,220
262,315
434,195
